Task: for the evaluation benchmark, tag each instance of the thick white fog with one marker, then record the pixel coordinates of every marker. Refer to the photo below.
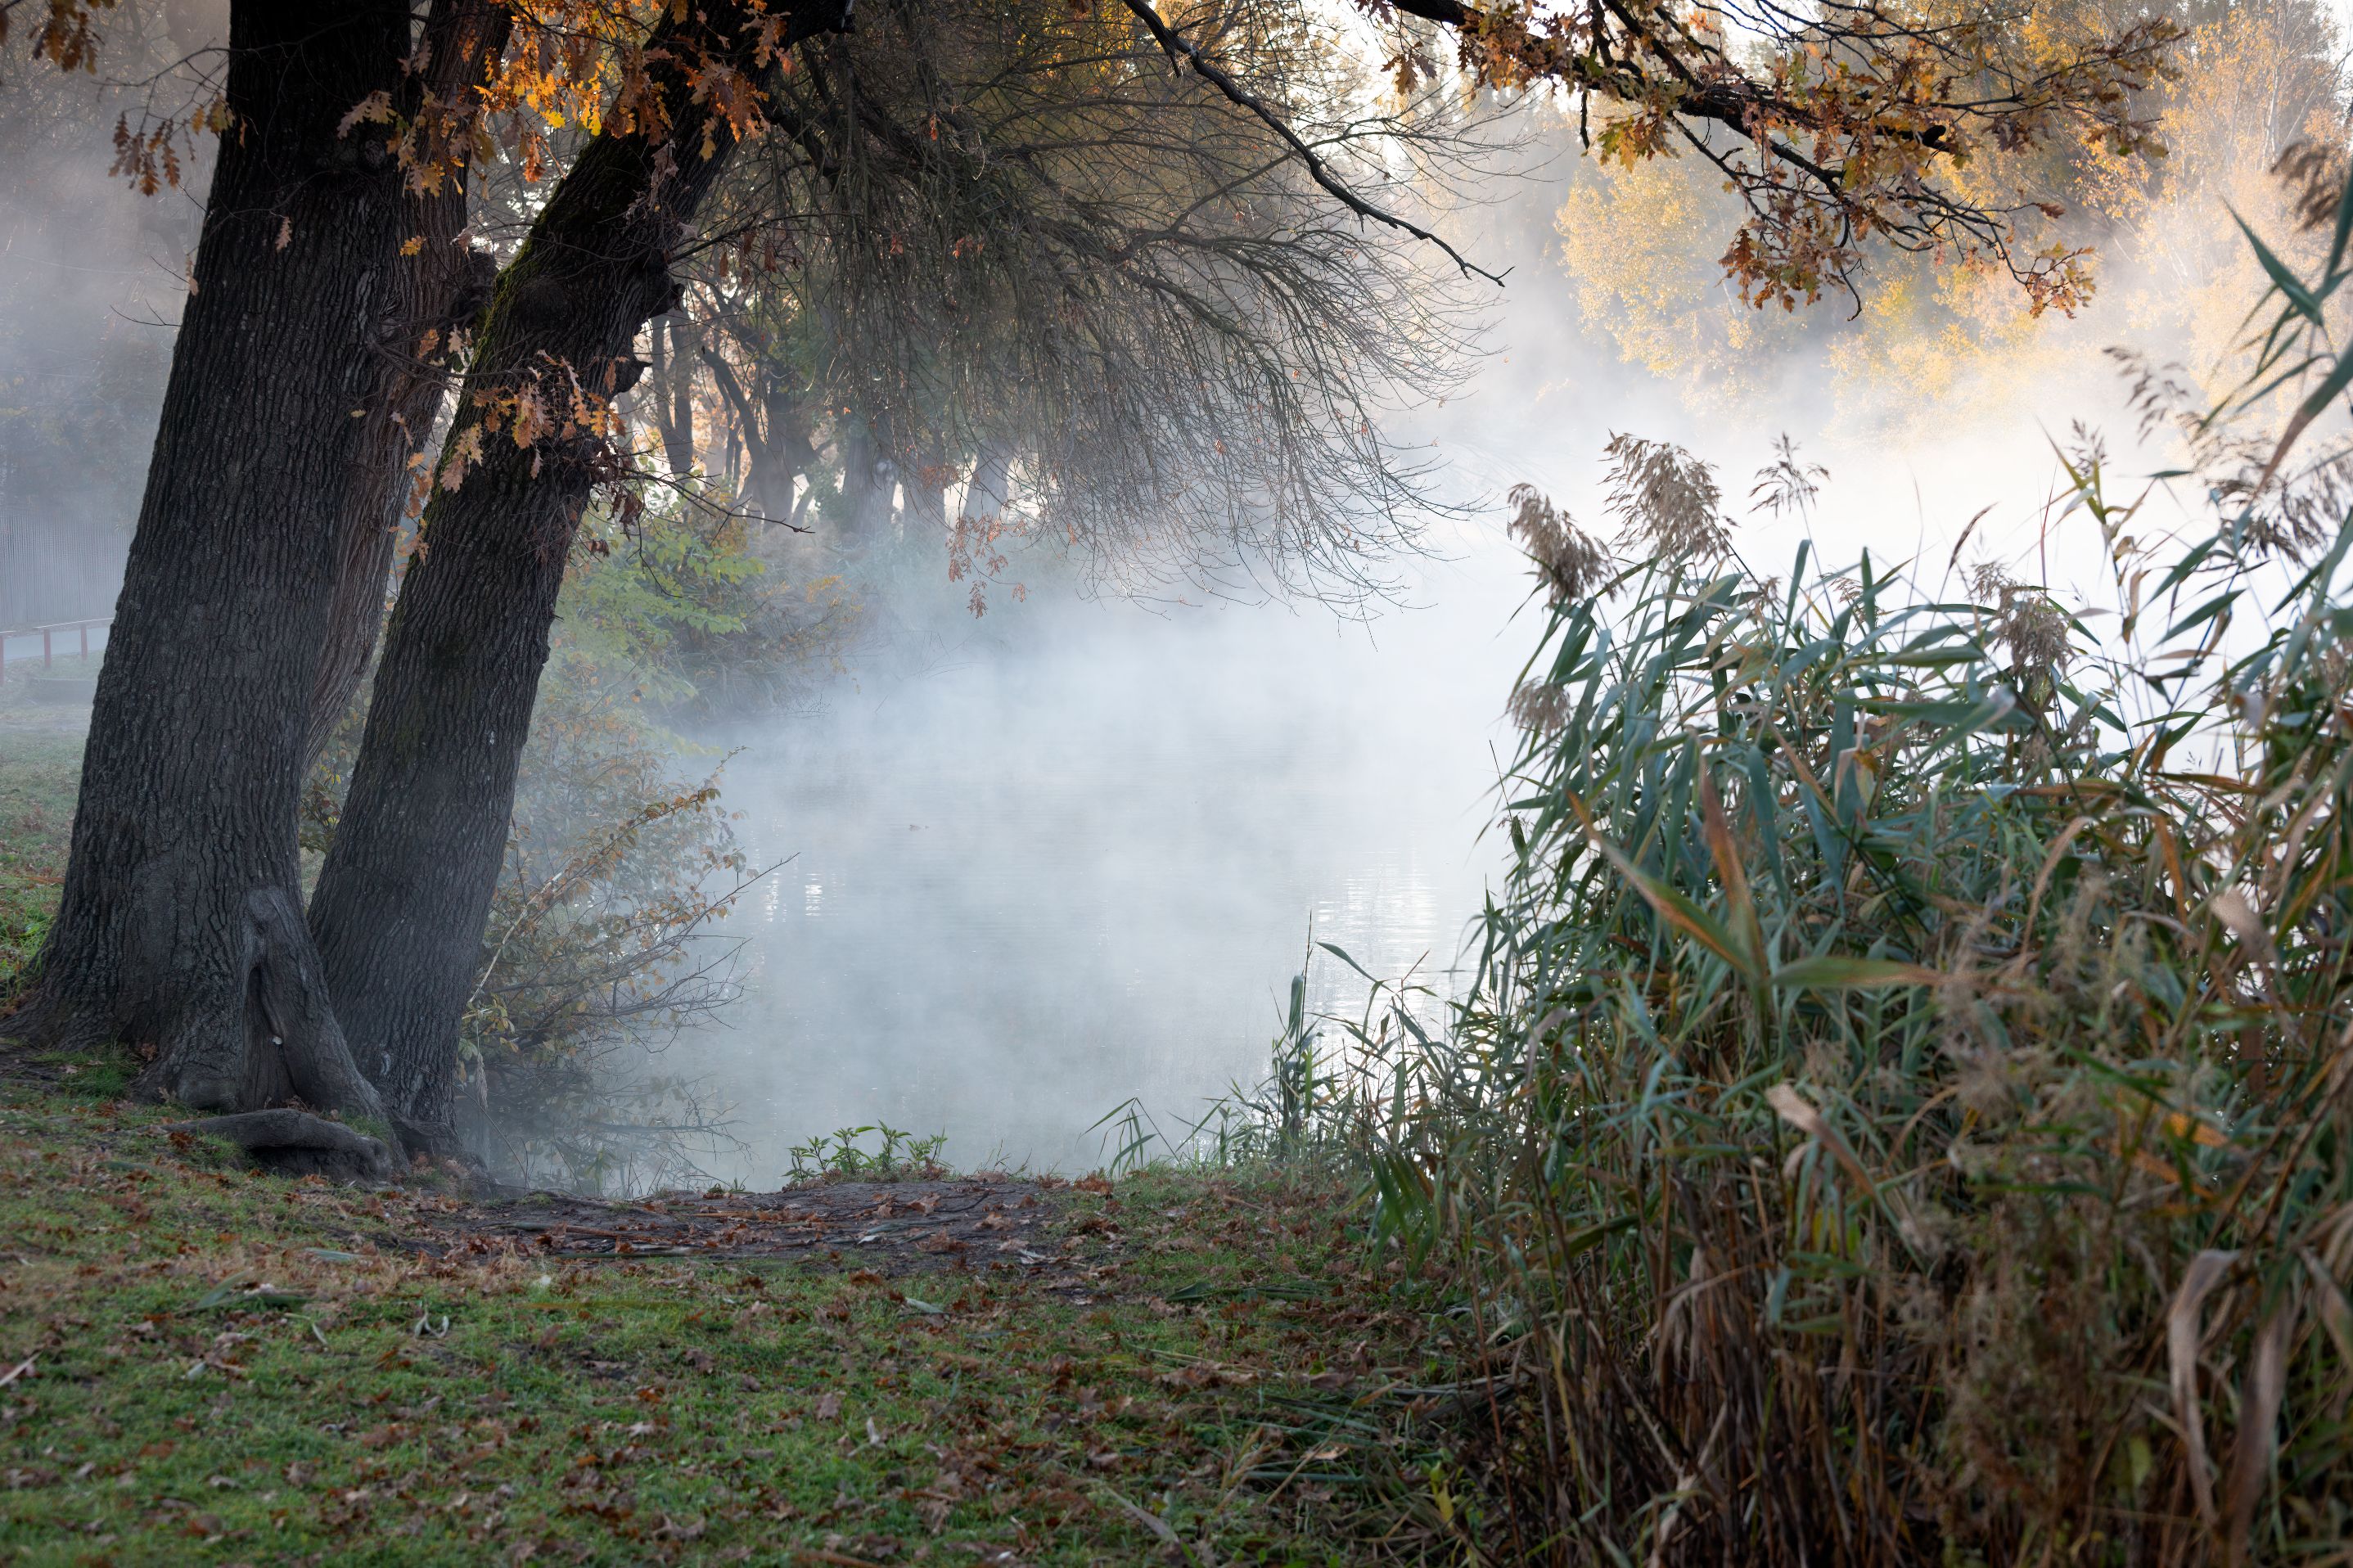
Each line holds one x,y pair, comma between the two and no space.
1077,860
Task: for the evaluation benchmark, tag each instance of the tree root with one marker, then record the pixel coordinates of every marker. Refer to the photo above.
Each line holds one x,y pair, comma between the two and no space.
297,1144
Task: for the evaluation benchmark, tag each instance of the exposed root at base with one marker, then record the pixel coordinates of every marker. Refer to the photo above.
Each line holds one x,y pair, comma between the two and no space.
297,1144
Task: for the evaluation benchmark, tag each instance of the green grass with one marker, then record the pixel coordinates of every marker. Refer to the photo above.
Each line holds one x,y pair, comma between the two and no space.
381,1407
40,771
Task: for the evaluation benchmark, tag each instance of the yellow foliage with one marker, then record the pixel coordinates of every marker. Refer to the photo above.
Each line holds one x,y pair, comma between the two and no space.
1939,339
1630,249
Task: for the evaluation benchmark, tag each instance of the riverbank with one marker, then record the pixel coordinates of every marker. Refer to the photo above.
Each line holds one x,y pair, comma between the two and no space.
205,1363
199,1362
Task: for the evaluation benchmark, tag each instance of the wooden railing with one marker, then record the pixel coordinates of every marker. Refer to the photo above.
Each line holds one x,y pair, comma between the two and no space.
48,634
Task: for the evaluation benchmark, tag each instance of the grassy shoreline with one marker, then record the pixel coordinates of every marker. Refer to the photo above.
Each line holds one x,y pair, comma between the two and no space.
205,1363
216,1366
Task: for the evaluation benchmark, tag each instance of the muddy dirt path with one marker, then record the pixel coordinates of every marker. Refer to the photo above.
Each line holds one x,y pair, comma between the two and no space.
981,1223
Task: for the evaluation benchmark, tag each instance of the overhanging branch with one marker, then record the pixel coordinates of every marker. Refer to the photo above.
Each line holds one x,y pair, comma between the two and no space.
1179,46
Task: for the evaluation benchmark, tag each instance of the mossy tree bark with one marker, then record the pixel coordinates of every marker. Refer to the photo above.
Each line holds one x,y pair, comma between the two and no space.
180,927
400,905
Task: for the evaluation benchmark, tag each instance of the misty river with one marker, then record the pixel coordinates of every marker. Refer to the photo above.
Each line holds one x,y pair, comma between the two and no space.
1073,857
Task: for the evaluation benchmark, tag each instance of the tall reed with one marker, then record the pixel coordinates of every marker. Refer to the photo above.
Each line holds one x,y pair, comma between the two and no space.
1902,1114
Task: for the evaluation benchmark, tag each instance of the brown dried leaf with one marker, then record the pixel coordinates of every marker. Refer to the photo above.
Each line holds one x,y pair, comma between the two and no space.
2183,1333
2259,1408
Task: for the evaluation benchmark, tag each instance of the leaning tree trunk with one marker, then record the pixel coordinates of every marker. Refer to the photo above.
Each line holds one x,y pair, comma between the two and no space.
674,393
446,286
180,927
775,433
400,905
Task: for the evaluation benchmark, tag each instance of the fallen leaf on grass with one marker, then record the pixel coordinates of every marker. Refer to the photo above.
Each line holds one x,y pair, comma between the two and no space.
828,1406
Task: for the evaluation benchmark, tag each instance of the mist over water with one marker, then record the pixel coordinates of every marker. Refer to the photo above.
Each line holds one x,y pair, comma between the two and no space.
1069,854
1076,860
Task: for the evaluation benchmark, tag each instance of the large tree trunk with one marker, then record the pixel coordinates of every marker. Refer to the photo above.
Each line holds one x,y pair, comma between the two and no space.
400,905
443,287
180,927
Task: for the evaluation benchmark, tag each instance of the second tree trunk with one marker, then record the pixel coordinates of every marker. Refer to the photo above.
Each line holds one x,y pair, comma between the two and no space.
400,905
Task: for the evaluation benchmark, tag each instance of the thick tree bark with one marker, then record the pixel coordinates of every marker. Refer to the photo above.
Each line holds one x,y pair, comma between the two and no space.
400,905
180,927
441,289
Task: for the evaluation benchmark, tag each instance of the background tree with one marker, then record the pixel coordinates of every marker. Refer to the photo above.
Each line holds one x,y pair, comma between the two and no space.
1842,126
2252,80
85,346
1099,275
